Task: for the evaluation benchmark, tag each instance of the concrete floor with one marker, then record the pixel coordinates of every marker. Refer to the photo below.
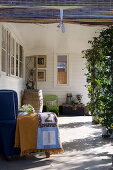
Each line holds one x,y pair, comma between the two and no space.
84,149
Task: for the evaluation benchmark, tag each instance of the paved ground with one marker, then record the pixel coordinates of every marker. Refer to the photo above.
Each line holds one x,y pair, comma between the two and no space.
84,149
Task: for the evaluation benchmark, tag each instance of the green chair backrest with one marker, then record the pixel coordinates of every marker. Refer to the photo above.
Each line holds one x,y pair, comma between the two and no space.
50,97
52,103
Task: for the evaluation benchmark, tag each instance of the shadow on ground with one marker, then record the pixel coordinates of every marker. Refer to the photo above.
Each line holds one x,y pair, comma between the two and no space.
75,124
79,154
94,141
86,143
26,162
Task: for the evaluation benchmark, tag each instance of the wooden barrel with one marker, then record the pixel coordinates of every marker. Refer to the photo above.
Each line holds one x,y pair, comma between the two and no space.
34,98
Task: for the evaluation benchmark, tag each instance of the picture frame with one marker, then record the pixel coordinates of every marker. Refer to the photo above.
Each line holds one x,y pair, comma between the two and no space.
41,74
41,60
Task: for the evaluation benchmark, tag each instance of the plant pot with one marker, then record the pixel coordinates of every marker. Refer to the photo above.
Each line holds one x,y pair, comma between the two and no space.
95,120
68,99
105,132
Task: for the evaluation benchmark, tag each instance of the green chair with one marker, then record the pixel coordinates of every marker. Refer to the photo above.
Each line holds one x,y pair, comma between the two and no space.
52,103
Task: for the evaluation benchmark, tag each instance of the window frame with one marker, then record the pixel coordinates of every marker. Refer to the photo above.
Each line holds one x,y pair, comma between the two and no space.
21,61
12,55
4,49
8,52
17,59
55,70
11,41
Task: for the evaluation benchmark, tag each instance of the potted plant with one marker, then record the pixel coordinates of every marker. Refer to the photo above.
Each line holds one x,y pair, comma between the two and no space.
79,97
99,78
27,108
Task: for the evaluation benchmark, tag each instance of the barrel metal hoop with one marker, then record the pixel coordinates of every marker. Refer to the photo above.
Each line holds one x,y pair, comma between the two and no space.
33,99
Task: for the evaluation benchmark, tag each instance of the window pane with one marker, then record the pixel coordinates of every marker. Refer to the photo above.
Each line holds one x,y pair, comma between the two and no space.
8,43
17,63
16,50
12,65
3,38
21,53
8,53
12,55
13,47
8,64
21,69
16,67
62,69
20,61
3,60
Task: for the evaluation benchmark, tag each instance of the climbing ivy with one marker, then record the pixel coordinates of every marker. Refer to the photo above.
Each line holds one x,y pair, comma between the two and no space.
100,77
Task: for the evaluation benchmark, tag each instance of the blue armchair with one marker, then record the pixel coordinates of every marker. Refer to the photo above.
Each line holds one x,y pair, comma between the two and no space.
8,120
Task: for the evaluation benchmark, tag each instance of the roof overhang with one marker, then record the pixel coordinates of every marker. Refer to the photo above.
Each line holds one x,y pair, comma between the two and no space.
91,12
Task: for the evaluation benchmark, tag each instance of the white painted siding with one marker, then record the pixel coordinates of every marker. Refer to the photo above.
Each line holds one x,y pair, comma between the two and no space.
7,82
49,40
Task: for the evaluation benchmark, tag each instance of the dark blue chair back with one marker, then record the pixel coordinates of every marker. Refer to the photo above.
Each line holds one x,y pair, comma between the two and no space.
8,120
8,105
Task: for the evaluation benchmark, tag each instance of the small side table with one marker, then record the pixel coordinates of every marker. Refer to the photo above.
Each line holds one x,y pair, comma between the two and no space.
75,110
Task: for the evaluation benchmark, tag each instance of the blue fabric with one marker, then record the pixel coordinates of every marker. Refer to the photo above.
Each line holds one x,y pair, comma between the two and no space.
8,105
8,116
48,143
7,138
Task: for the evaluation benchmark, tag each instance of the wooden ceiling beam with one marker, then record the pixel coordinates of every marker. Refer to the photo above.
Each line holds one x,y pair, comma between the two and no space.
55,2
47,11
47,21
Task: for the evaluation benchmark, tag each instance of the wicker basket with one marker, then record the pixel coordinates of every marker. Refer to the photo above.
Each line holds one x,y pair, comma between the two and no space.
34,98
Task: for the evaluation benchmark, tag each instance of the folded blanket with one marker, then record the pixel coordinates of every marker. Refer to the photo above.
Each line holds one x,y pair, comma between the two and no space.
26,136
26,133
48,134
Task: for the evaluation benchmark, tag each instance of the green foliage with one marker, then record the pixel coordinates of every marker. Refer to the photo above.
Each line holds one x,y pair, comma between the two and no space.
100,77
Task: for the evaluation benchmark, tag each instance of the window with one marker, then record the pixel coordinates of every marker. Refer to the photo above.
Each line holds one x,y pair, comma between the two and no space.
4,49
12,55
62,69
17,59
8,53
21,61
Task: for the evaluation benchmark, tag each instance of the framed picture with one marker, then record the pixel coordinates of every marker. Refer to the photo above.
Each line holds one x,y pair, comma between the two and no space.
41,61
41,75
